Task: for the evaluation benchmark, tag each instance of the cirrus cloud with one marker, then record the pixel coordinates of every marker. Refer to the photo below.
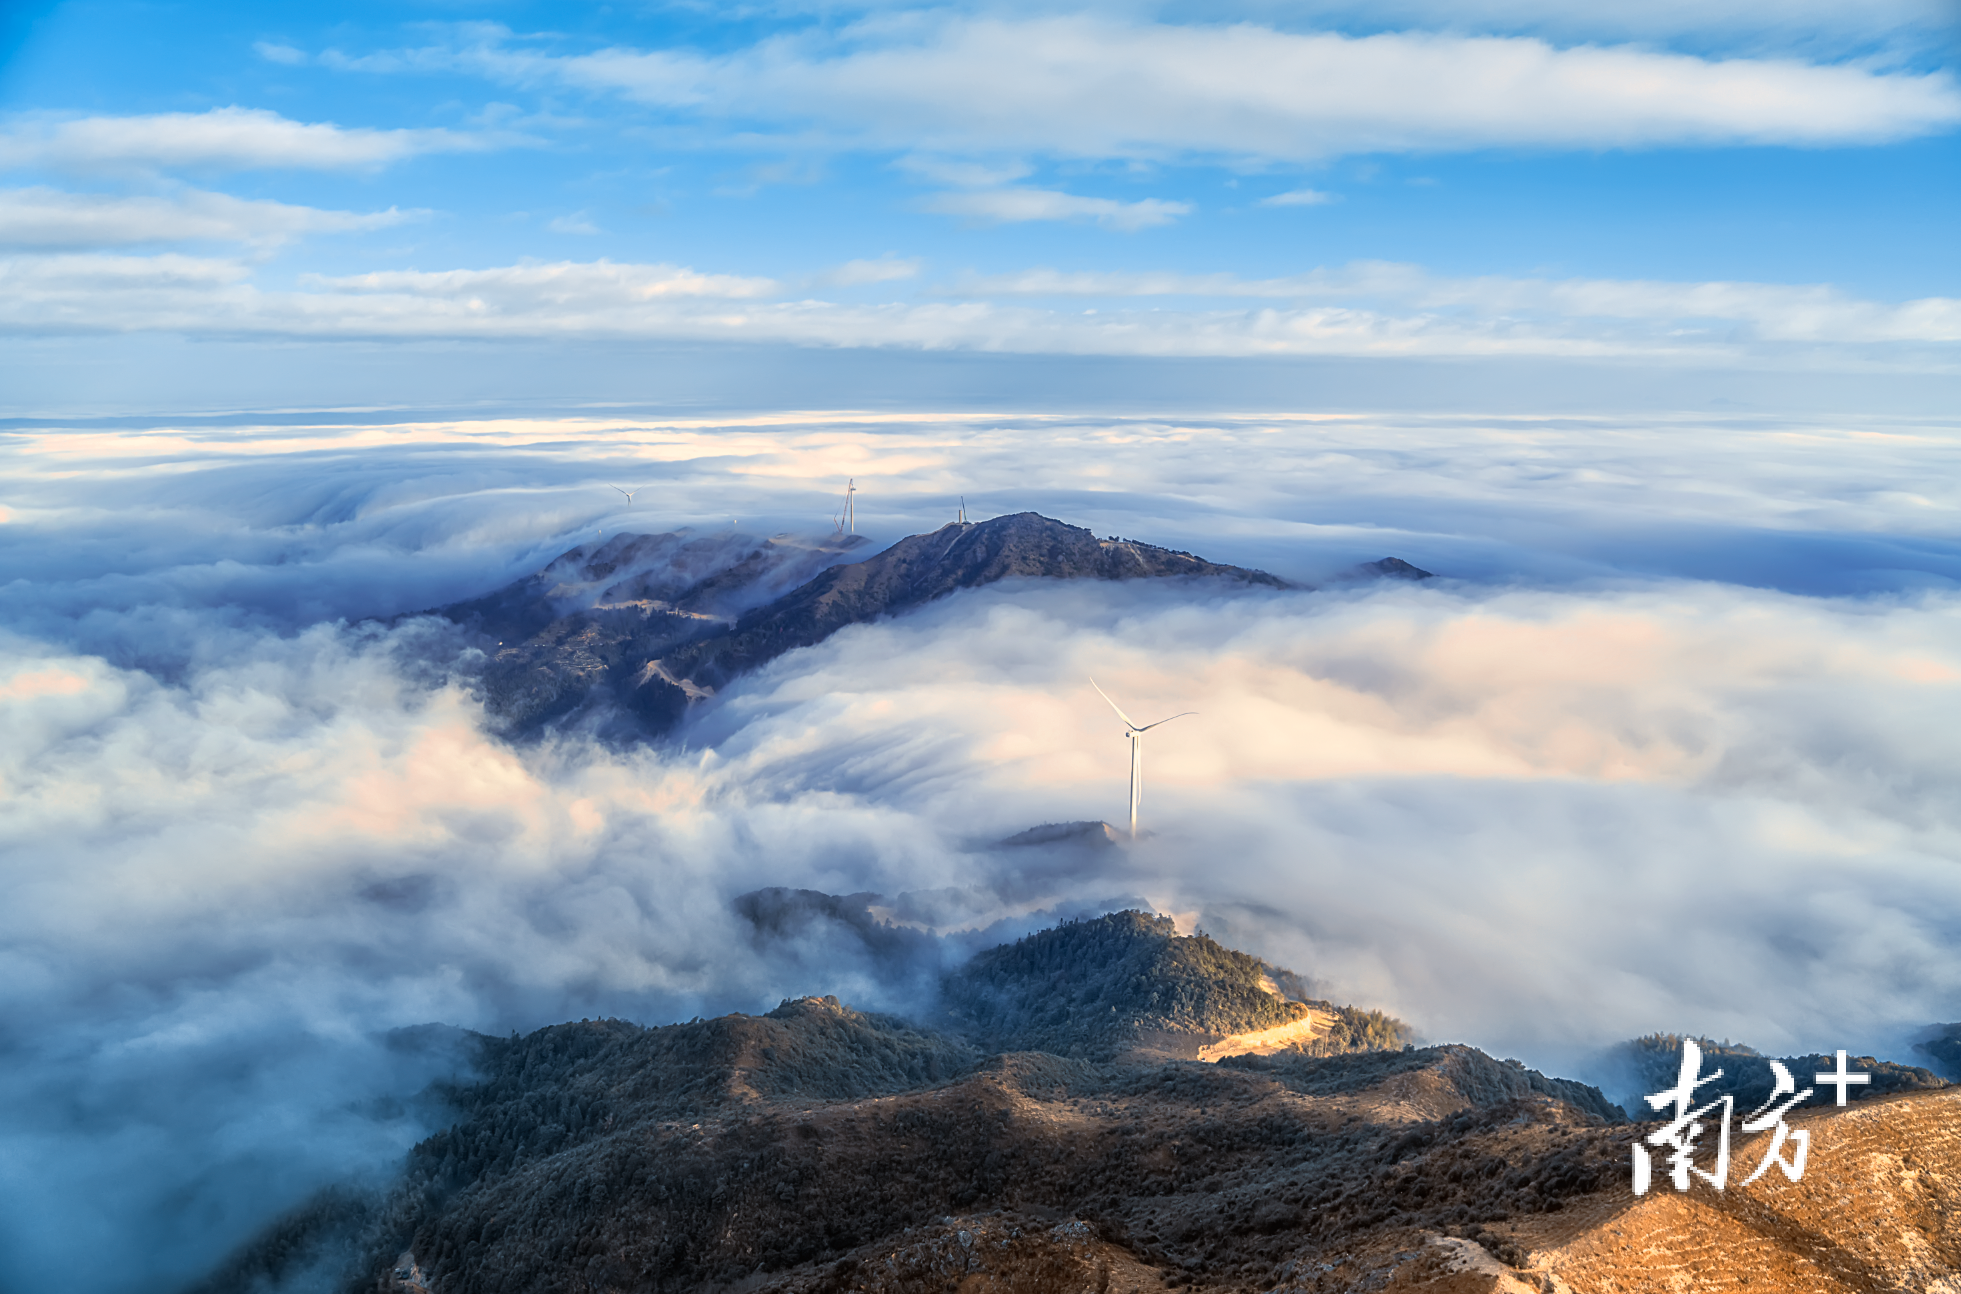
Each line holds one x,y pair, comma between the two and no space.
1012,206
1299,198
222,139
564,282
51,218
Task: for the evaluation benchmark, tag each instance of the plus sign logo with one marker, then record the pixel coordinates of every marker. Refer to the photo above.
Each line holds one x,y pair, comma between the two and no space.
1841,1079
1688,1122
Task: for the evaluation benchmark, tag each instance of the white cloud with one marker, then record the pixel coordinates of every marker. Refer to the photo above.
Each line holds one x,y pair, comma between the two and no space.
565,284
1142,283
604,298
1776,311
221,139
575,223
1737,23
1098,87
1007,206
965,174
1299,198
45,218
886,269
272,52
1363,309
79,273
83,291
1773,311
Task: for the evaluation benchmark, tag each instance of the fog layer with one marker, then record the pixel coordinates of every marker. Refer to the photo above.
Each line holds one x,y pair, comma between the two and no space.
1667,748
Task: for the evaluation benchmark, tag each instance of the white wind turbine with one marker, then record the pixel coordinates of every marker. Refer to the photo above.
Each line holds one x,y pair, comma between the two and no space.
629,494
1135,734
848,517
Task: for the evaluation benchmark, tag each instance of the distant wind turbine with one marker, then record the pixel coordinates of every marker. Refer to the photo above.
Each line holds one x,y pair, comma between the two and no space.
1135,734
629,494
849,516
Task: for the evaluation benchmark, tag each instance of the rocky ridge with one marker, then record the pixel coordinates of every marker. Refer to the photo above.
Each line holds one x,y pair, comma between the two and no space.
639,628
919,569
572,637
817,1149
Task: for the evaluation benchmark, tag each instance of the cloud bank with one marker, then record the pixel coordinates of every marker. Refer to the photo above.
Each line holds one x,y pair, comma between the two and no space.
42,219
1667,751
1756,25
1009,206
1367,308
1099,87
221,139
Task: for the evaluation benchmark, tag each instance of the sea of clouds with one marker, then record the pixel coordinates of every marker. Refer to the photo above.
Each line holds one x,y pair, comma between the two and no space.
1670,746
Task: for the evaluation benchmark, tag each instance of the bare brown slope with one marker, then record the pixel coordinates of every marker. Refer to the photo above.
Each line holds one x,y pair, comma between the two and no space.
1878,1208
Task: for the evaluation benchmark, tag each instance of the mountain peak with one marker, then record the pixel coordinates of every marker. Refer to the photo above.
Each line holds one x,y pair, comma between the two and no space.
1121,983
641,627
916,570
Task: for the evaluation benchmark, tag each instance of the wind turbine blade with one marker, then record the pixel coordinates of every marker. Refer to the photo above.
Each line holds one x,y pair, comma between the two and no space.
628,496
1114,706
1147,727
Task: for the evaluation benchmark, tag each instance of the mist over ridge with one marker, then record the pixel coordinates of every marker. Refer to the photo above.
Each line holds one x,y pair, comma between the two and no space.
1675,722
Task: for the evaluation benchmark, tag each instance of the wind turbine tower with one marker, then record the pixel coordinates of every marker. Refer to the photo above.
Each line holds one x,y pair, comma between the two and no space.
848,519
1136,735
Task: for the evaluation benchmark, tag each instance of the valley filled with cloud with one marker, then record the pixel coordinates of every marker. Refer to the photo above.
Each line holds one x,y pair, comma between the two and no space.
1662,749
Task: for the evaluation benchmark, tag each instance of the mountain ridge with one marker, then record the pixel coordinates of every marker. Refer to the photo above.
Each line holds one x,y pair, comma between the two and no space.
638,629
817,1149
921,568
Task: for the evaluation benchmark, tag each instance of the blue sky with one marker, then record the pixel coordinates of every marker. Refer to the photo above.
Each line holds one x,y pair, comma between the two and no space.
1741,185
1637,322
